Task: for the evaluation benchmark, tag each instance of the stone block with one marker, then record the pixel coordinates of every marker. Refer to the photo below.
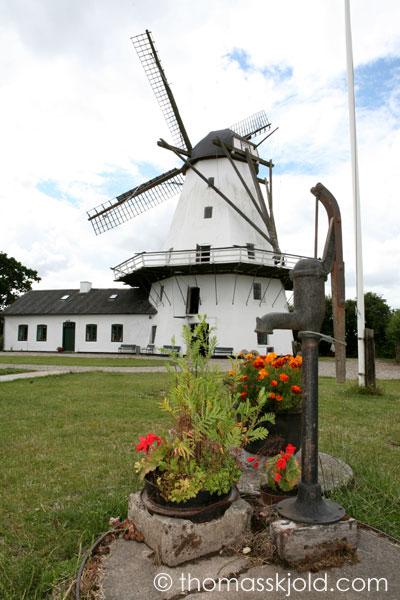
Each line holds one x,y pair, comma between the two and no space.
176,541
297,542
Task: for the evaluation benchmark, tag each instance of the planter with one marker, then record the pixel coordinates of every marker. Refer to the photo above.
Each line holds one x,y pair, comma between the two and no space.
204,507
286,430
271,497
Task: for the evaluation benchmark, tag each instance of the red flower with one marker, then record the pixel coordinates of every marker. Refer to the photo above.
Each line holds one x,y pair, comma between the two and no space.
274,383
277,477
146,442
296,389
290,449
281,463
256,464
251,459
243,378
271,396
283,377
279,397
243,395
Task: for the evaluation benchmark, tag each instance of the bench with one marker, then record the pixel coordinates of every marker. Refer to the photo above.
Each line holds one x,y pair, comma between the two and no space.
129,348
223,351
169,349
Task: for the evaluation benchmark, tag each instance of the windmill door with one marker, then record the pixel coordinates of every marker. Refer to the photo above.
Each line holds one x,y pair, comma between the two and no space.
69,336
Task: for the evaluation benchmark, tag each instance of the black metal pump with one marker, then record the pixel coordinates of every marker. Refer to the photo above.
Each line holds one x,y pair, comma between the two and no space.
309,276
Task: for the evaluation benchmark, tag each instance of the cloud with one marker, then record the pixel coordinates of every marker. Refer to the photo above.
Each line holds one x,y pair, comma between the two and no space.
79,122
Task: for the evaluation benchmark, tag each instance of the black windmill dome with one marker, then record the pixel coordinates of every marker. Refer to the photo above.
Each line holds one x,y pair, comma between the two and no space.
218,144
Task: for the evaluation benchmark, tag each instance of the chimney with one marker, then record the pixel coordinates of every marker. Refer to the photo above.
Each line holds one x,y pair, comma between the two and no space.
85,287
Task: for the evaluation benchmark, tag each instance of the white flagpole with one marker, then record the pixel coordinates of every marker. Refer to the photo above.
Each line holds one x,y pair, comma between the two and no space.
356,200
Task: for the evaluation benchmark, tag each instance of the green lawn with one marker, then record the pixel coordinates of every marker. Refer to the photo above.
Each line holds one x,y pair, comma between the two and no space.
66,444
81,361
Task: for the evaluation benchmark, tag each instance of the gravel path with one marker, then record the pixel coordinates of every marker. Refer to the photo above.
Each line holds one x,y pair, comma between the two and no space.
384,369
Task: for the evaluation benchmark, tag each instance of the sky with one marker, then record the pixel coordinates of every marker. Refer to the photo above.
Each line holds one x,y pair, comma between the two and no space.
79,123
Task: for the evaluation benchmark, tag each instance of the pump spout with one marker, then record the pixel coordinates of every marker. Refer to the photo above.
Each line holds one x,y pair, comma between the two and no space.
275,320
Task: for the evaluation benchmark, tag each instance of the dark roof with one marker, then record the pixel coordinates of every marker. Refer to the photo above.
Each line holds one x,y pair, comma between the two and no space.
206,149
96,302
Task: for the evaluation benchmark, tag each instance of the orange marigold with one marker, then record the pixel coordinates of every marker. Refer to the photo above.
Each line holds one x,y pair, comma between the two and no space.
279,397
231,373
274,383
258,363
271,396
270,357
283,377
248,356
262,374
296,389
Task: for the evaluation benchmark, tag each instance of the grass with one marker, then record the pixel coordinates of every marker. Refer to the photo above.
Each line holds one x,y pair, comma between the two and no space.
12,371
81,361
67,464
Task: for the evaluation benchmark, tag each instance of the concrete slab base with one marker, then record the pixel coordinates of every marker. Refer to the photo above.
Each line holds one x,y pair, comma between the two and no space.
176,541
130,573
298,542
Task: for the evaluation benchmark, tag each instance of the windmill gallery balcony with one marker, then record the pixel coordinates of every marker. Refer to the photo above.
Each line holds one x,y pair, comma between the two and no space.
147,267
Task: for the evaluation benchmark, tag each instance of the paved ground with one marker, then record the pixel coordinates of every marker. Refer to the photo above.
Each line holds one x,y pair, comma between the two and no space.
130,574
384,369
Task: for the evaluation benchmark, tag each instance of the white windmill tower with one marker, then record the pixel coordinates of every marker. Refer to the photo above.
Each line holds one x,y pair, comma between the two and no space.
222,256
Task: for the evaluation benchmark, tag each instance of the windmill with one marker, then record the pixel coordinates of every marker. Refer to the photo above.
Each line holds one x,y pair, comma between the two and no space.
223,257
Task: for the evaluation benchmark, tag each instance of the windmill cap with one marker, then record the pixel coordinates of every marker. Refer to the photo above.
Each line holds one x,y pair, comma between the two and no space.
207,149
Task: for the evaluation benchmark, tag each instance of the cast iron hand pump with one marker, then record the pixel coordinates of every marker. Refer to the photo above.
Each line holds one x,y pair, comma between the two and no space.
309,276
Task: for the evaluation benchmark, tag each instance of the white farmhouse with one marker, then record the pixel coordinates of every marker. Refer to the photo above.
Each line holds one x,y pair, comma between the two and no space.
79,320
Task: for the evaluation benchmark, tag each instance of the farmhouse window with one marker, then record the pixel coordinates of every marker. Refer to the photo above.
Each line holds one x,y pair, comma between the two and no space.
117,333
22,333
193,301
208,210
257,290
91,333
153,334
41,333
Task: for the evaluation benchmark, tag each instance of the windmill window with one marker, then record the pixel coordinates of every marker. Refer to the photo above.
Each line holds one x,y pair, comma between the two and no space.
161,293
22,333
262,339
210,181
91,333
65,297
41,333
193,301
113,296
208,210
117,332
257,290
250,251
203,253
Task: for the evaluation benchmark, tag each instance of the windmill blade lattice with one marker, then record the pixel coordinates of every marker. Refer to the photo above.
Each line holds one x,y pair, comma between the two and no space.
252,126
145,48
136,201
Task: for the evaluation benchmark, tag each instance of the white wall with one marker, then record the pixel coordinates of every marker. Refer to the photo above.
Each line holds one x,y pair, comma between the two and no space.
136,330
226,227
232,311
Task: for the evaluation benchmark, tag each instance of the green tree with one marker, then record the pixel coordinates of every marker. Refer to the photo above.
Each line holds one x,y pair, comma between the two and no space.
393,333
377,315
15,279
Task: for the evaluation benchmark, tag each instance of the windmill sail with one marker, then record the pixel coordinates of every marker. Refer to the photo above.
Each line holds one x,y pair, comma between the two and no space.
136,201
145,48
252,126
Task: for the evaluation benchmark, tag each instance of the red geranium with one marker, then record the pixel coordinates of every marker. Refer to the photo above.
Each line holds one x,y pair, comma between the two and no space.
145,443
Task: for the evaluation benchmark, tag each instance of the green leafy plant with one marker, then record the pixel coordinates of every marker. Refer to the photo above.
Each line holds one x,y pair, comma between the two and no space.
283,470
207,424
